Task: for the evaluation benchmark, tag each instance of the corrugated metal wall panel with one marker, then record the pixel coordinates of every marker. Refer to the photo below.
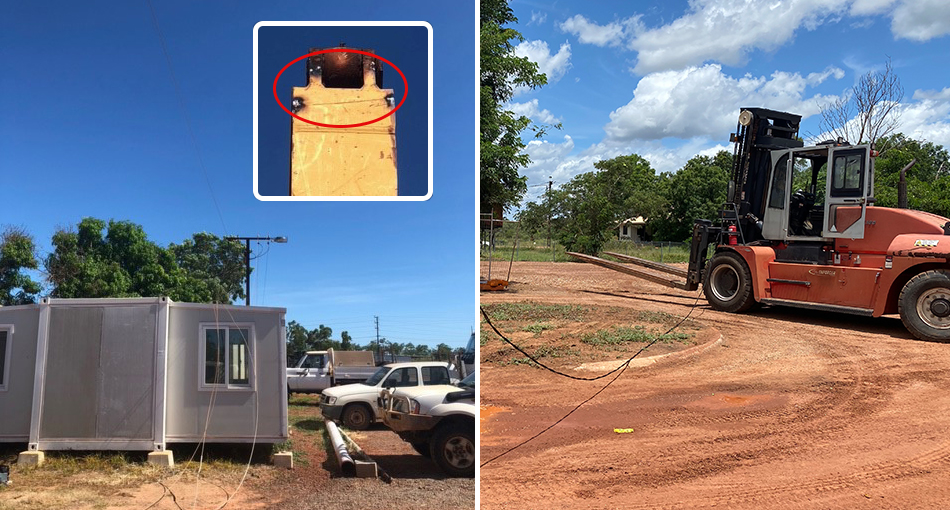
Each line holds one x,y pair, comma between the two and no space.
70,397
127,373
17,401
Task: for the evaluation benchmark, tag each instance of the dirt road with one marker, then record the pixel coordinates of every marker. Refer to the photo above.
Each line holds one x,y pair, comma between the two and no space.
791,409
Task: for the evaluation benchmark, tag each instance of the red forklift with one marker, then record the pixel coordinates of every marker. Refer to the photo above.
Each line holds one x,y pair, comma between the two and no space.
800,228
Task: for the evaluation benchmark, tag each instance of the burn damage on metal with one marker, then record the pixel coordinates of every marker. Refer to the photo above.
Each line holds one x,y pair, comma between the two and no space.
297,104
343,69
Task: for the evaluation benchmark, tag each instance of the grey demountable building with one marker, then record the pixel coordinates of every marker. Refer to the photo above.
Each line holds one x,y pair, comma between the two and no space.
138,373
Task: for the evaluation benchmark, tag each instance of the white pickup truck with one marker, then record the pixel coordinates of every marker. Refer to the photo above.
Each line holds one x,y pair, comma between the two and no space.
438,421
318,370
358,405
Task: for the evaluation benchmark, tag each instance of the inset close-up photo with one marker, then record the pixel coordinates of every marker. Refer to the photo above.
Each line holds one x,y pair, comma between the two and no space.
356,131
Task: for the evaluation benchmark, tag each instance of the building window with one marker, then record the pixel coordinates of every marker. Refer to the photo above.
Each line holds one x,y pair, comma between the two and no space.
6,341
227,356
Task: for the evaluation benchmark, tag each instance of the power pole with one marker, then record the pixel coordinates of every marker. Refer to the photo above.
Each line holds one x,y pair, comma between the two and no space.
379,351
550,237
247,259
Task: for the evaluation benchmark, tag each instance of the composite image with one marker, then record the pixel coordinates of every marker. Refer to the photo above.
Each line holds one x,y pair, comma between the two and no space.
476,254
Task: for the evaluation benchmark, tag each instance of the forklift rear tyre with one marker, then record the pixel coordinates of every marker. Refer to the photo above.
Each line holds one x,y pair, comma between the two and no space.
728,285
924,305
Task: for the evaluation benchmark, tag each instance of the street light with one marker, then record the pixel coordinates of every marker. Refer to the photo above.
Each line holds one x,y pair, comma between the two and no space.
247,259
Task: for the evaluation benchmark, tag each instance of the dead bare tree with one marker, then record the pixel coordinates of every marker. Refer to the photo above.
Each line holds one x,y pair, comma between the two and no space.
870,112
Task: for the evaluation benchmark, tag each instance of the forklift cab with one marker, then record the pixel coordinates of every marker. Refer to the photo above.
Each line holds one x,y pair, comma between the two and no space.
806,203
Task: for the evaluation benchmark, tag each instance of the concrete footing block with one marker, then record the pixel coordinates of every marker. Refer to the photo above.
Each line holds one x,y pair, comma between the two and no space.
366,469
284,460
31,458
164,458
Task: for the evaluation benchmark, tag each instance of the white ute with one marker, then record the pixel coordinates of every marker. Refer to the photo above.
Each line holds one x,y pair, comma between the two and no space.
438,421
357,405
316,371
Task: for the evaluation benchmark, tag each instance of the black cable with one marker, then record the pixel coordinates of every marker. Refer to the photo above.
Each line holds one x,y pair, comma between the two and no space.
620,370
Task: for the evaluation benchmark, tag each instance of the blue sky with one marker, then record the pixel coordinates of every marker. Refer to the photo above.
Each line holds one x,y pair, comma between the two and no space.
90,126
666,80
405,46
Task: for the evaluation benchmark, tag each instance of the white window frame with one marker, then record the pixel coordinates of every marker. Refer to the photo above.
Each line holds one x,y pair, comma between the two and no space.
5,376
252,360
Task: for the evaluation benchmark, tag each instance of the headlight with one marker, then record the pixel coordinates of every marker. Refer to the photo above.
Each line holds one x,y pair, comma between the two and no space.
329,400
414,406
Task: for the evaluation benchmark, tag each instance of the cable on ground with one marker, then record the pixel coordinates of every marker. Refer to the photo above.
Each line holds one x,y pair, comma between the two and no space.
619,371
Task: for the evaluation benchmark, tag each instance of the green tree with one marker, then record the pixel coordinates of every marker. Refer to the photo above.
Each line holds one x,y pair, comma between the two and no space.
121,263
346,342
587,208
214,264
927,181
443,352
697,190
17,252
296,342
318,339
117,259
501,73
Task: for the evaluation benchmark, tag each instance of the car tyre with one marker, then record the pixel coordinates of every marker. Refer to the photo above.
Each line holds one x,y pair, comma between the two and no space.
357,417
453,449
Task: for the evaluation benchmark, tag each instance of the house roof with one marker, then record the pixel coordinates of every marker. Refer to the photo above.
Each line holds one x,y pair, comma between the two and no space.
638,221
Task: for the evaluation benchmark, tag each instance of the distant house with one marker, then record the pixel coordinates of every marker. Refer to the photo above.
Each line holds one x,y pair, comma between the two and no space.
631,229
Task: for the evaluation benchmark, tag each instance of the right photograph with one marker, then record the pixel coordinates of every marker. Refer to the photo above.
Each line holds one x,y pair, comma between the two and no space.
714,255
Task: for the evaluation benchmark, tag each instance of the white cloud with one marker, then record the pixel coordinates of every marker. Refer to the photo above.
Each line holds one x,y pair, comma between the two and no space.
546,157
927,117
538,18
531,110
554,66
704,102
921,20
819,78
588,32
870,7
554,161
726,30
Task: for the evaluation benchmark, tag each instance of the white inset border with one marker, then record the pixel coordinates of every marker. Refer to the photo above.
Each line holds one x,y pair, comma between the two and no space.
282,198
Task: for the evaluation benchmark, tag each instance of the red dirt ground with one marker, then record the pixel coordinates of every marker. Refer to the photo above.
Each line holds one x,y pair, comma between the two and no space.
792,409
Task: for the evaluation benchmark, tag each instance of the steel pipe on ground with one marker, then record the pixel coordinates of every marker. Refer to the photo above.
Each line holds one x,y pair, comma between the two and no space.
339,447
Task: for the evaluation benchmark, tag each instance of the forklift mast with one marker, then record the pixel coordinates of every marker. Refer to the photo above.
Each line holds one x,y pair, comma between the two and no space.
758,133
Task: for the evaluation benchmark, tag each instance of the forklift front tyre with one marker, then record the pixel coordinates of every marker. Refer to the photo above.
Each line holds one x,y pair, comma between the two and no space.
924,305
728,285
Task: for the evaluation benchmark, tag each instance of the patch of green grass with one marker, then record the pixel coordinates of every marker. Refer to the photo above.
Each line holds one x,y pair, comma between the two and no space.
537,312
667,253
538,327
656,317
520,361
621,335
547,351
71,463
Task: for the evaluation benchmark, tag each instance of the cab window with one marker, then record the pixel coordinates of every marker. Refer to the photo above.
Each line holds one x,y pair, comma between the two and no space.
847,178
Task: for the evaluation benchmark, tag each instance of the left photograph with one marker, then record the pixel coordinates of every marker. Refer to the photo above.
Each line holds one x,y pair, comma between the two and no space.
170,338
